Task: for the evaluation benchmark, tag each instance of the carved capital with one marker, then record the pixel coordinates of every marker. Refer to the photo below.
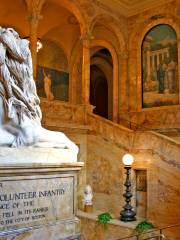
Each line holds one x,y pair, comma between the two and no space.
86,39
123,55
34,9
34,18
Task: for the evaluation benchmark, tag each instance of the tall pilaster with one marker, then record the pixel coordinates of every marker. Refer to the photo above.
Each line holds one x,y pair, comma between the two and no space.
34,10
85,71
123,76
34,19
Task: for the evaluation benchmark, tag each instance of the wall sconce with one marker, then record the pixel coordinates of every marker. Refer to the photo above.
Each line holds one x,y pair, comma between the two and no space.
39,43
127,214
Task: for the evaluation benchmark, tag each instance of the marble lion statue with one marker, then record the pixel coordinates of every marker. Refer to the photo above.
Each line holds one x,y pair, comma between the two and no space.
20,113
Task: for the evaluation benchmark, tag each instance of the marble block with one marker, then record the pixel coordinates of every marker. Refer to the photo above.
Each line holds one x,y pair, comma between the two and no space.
38,195
30,156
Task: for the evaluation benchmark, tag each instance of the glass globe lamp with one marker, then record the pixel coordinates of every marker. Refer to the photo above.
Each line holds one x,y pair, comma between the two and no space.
127,159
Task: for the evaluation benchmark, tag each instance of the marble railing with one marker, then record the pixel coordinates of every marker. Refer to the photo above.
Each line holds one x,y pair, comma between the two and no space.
159,118
110,131
168,149
57,113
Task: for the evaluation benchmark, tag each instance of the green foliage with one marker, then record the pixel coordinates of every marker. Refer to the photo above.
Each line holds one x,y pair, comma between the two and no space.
104,218
143,226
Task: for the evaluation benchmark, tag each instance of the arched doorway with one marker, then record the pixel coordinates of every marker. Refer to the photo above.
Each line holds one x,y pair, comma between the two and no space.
101,81
99,92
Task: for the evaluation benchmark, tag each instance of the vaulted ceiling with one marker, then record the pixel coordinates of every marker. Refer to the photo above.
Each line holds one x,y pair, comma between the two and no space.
132,7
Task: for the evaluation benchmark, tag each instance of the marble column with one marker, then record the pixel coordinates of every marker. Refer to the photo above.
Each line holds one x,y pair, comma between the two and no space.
148,65
34,20
85,71
34,9
153,60
123,76
158,59
134,81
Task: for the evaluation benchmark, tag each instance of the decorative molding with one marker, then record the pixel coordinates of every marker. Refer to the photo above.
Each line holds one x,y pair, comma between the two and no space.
72,20
88,8
35,6
106,7
123,55
129,8
156,17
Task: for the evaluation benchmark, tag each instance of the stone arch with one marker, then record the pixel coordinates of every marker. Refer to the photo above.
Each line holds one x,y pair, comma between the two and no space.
73,8
103,65
46,37
107,69
99,93
73,71
110,21
139,36
8,16
106,44
55,67
56,55
136,40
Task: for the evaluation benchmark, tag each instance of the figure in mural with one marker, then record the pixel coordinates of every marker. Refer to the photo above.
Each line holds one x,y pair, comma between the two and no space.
171,76
47,86
20,114
161,77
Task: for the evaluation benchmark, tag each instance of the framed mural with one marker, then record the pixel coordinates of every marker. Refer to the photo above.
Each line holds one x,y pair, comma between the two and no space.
52,84
52,72
160,85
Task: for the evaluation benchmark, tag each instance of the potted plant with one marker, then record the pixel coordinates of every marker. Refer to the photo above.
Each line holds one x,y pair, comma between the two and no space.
102,221
143,227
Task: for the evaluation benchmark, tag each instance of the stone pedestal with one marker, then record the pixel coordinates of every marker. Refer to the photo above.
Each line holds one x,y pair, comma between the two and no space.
88,208
38,194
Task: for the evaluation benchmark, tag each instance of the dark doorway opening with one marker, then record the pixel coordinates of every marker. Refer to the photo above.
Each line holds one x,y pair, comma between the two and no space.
101,82
99,92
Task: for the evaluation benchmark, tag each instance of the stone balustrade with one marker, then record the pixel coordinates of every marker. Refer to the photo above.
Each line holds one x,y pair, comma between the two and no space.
167,148
57,113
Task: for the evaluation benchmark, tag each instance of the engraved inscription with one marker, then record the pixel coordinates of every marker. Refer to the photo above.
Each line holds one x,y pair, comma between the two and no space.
35,200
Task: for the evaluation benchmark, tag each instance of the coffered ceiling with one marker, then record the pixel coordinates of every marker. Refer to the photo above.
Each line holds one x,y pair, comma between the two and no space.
132,7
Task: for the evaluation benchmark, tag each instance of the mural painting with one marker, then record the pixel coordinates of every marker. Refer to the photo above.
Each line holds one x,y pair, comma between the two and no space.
160,67
52,72
52,84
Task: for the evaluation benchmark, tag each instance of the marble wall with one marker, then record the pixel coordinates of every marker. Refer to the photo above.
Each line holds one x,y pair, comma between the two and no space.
106,175
155,117
91,230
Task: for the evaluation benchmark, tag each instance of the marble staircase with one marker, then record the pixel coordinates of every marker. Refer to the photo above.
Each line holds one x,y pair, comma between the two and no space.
102,144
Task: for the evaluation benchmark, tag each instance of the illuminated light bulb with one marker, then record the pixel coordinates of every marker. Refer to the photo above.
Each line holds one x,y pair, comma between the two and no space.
39,45
128,159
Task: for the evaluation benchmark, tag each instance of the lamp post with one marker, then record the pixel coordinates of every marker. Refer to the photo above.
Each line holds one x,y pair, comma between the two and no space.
127,214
